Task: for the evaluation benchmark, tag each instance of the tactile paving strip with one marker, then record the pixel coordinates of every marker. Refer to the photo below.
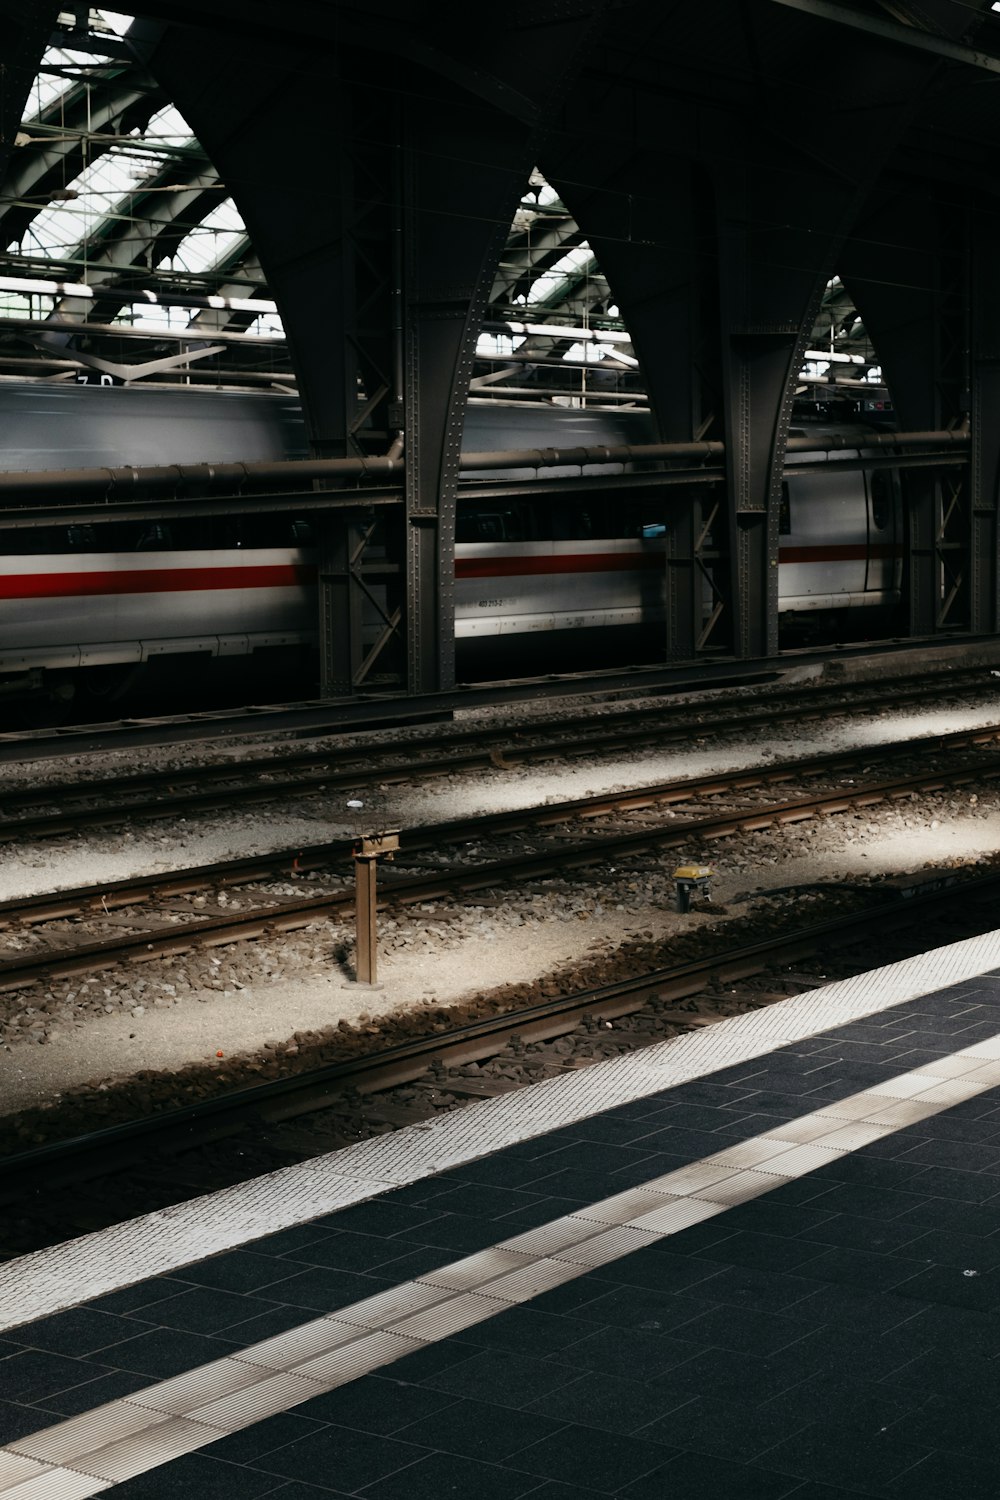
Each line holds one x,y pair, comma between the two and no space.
48,1280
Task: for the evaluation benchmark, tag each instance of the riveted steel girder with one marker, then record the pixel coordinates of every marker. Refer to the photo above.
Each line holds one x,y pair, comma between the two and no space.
380,241
906,267
718,225
984,405
25,28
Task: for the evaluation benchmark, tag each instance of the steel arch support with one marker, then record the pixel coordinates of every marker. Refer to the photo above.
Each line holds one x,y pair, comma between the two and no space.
984,406
653,270
451,249
906,268
25,29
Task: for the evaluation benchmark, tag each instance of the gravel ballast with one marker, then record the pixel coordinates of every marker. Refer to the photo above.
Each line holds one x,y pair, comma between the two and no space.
206,1007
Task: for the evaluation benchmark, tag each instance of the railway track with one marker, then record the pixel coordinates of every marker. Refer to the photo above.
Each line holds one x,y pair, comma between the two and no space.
58,809
374,711
257,1115
449,876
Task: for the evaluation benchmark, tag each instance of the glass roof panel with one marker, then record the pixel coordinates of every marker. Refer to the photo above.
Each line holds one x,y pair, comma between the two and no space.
114,20
48,84
96,191
213,240
562,273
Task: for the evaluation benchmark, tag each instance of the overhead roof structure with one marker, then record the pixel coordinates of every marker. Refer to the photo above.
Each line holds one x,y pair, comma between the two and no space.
116,225
707,209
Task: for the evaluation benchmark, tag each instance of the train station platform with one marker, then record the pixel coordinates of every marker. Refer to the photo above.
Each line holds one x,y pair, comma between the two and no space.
759,1261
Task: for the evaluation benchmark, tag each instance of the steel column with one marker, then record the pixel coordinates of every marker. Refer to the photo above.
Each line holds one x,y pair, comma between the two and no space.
906,268
984,469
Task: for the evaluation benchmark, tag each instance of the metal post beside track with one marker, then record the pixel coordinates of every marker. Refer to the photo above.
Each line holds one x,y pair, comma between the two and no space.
369,849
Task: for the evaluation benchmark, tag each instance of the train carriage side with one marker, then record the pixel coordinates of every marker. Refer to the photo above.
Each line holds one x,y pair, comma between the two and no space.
840,533
113,595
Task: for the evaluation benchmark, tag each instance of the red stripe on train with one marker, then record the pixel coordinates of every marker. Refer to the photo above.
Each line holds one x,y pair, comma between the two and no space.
289,575
560,562
152,581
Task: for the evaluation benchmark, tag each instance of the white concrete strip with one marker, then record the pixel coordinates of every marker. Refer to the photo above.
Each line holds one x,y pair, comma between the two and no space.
155,1244
81,1456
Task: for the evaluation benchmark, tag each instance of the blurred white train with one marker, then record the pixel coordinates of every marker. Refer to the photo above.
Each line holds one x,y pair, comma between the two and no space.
81,602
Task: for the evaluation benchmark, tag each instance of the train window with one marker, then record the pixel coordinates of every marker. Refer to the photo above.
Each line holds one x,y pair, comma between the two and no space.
155,537
785,513
303,534
25,543
81,538
880,493
565,523
489,525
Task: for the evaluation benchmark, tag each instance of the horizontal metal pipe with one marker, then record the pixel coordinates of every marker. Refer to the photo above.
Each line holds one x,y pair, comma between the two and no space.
305,471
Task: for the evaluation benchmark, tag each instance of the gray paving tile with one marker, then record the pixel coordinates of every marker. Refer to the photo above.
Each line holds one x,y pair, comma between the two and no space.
78,1330
17,1420
730,1375
378,1403
833,1453
947,1474
955,1286
612,1403
81,1398
730,1430
627,1352
31,1375
264,1326
501,1378
324,1290
442,1474
697,1476
206,1310
864,1268
474,1429
525,1328
195,1477
165,1352
750,1332
242,1271
957,1331
254,1442
142,1294
352,1459
600,1460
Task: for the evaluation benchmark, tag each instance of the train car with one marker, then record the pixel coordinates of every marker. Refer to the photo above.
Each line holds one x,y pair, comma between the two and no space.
83,607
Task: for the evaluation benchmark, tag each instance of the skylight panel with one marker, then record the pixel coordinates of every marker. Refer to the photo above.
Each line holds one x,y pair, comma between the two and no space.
48,86
590,353
267,326
562,273
99,188
168,129
213,240
114,21
498,343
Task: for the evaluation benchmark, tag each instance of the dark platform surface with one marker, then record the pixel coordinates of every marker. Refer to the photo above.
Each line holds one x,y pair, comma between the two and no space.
835,1337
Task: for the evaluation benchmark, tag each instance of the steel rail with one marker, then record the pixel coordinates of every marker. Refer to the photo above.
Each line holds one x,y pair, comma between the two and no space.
466,880
90,1155
292,862
496,747
372,711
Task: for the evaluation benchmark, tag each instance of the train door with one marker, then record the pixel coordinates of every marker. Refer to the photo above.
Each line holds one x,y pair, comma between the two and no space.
884,514
823,543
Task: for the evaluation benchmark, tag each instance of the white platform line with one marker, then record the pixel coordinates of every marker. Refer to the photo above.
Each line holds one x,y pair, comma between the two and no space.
85,1454
155,1244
